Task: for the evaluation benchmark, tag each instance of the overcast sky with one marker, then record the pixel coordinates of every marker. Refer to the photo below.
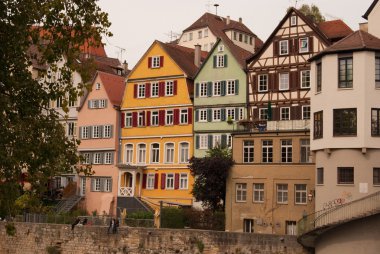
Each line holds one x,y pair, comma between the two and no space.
137,23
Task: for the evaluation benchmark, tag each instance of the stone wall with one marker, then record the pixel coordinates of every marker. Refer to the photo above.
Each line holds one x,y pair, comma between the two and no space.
37,238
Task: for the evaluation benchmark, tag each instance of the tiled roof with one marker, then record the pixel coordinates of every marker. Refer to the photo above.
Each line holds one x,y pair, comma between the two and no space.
366,14
357,41
240,54
335,29
114,86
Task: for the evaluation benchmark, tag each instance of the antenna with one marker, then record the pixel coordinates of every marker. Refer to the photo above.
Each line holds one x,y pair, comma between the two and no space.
216,9
120,48
172,35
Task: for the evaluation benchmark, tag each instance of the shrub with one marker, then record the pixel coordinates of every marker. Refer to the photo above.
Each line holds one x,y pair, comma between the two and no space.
172,217
10,229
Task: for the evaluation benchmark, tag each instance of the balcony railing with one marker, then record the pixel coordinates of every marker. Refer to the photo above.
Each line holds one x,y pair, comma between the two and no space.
359,208
126,192
262,126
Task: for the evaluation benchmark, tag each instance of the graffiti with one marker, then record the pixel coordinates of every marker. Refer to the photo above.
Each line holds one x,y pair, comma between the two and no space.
344,197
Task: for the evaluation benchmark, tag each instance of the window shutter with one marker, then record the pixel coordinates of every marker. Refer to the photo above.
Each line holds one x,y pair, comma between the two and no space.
223,114
161,117
209,115
197,141
275,48
134,119
223,88
161,61
110,184
102,183
135,88
237,87
144,181
105,103
197,115
254,83
209,141
112,157
101,131
224,140
89,131
293,113
276,84
290,46
122,120
163,178
102,158
196,89
176,116
237,114
148,113
190,115
156,181
147,90
89,103
175,87
143,120
111,131
311,44
276,114
214,61
225,61
80,132
209,89
292,80
161,89
255,113
176,181
149,62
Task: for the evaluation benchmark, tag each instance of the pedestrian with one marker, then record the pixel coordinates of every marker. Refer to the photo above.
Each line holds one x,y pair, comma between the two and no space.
112,225
84,222
116,226
76,222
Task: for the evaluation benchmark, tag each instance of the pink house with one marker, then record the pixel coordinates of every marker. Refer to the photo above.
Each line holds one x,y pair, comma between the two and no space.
98,122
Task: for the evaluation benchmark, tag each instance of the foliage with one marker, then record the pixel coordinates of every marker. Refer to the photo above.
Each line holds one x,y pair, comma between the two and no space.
30,202
32,140
53,250
313,11
10,228
211,173
204,219
140,215
172,217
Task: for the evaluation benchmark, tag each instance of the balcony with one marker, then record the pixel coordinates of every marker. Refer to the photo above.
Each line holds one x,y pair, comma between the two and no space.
263,126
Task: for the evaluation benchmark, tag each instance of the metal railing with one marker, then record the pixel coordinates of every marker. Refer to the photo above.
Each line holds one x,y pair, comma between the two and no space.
284,125
356,209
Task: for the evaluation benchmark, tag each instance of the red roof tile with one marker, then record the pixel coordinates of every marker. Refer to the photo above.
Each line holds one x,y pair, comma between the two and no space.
335,29
114,86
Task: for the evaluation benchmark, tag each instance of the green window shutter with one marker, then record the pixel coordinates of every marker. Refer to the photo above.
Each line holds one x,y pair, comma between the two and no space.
197,141
223,114
197,115
209,141
111,131
225,61
209,89
236,114
196,89
101,128
89,132
223,90
209,115
110,185
236,87
224,140
214,61
80,132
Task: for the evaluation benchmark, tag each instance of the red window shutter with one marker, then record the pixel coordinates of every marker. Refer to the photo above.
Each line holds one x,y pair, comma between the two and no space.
161,89
190,115
134,119
135,88
311,44
275,48
175,87
148,118
176,181
161,61
156,181
161,117
176,116
290,46
144,181
254,83
122,120
163,181
149,62
147,90
143,121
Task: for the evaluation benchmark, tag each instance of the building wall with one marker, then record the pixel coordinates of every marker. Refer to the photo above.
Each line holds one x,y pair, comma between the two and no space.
269,216
245,45
206,42
373,20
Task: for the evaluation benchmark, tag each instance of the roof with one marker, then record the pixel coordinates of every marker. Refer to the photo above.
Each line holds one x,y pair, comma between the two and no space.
335,29
366,14
114,86
357,41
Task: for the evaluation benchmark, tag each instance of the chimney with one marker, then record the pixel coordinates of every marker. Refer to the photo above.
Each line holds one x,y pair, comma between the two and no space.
197,55
228,20
363,27
240,20
125,66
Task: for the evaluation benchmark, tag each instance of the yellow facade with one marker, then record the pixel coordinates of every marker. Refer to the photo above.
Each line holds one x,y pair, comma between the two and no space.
157,145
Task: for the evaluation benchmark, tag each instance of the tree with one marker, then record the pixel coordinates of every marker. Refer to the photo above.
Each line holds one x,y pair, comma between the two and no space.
210,174
313,11
32,141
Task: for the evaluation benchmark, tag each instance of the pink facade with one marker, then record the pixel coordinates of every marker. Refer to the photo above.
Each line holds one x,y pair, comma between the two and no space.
98,122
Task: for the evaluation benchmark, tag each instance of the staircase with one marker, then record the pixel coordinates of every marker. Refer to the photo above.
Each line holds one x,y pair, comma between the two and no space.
65,205
133,204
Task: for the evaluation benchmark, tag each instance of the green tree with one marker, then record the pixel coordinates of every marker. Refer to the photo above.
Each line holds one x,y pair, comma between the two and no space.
313,11
31,138
210,174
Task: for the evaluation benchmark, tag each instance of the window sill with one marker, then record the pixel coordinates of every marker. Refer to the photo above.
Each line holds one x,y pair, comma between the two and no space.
301,204
345,136
241,202
345,184
345,88
376,185
282,203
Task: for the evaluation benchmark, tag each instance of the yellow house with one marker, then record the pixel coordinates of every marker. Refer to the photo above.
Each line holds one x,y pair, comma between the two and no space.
157,128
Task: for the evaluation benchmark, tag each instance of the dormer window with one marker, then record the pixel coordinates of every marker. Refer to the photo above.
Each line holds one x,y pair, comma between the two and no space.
97,86
293,20
155,62
220,48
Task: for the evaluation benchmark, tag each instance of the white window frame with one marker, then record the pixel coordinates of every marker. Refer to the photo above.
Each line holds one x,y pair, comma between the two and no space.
306,112
71,129
282,194
283,81
216,114
220,48
286,151
128,153
241,192
128,119
285,113
183,181
184,116
217,88
107,158
107,184
154,153
267,150
154,118
219,61
259,189
263,83
304,48
293,20
102,103
202,115
263,114
216,140
85,132
301,193
96,131
150,179
97,158
200,34
97,86
86,158
169,117
203,89
141,153
169,88
154,89
141,89
184,152
97,184
169,181
140,119
305,78
230,113
231,87
203,141
169,153
107,129
155,62
248,149
283,47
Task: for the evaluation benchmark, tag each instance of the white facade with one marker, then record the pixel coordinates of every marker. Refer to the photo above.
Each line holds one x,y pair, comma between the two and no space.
373,19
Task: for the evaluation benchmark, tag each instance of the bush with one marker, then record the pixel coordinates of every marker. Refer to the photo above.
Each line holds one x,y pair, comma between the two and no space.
140,215
10,229
205,219
172,217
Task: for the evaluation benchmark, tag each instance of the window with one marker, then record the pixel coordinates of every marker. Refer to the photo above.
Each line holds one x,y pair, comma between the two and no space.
203,115
216,114
97,158
304,45
263,83
96,131
248,226
155,62
190,36
85,132
286,151
59,102
203,141
72,102
217,140
300,194
305,112
206,33
291,227
141,119
141,153
250,40
150,181
345,175
86,158
220,48
219,61
284,81
231,114
318,124
108,158
203,89
170,181
183,152
128,153
155,153
169,88
376,176
241,192
235,36
183,181
248,151
345,122
240,37
375,122
102,103
263,114
71,129
128,120
305,79
154,118
169,117
229,140
293,20
96,185
241,113
231,89
284,50
107,131
97,86
282,193
258,192
285,113
169,153
320,176
154,90
267,149
141,91
184,116
319,77
345,72
217,88
377,72
305,150
200,34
